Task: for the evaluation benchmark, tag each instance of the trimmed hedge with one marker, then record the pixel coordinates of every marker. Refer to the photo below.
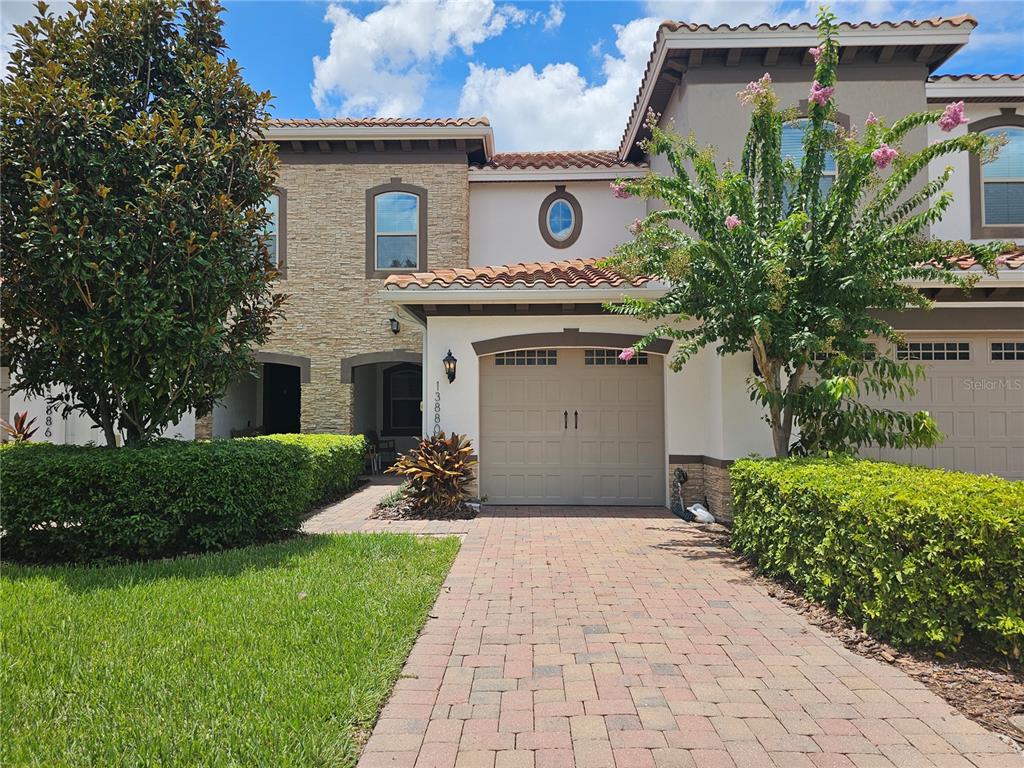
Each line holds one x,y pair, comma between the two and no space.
82,503
918,556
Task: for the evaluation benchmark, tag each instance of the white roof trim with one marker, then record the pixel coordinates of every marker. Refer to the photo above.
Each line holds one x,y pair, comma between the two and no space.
554,174
524,295
951,89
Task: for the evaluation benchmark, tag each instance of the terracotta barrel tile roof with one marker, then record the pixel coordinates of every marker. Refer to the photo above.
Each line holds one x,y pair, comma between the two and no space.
379,122
550,274
585,158
1014,259
978,78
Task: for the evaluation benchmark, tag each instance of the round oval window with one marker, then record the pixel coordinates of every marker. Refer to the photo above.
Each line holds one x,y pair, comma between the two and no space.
560,219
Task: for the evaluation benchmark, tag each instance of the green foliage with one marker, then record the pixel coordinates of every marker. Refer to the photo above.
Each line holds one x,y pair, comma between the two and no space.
135,273
280,655
922,557
437,474
78,503
761,262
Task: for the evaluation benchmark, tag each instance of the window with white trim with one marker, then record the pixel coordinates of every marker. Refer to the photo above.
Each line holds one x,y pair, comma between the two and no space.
1007,351
1002,180
396,221
527,357
611,357
934,351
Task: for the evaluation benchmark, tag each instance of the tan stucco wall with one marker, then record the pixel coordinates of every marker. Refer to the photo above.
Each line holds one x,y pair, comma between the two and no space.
333,312
706,104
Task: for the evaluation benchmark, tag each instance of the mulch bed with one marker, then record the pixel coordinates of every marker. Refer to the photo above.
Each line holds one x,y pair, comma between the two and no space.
404,511
985,687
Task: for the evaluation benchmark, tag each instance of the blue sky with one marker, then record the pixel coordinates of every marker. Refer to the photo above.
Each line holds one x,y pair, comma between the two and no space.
559,74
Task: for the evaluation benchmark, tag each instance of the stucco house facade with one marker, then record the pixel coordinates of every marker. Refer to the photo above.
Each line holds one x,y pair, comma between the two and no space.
406,244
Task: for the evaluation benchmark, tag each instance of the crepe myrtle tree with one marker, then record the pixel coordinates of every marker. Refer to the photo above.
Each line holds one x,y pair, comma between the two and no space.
135,273
767,261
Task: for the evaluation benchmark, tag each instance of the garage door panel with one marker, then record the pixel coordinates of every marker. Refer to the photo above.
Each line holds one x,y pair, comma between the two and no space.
609,449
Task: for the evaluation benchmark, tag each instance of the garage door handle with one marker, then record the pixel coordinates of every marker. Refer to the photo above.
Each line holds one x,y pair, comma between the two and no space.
576,418
565,416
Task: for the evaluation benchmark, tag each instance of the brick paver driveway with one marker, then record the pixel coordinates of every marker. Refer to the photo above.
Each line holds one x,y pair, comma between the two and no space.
624,637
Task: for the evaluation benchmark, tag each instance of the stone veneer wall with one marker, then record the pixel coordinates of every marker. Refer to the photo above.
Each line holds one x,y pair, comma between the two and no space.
333,311
707,483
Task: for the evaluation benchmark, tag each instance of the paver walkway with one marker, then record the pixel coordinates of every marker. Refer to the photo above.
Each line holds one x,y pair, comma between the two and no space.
613,638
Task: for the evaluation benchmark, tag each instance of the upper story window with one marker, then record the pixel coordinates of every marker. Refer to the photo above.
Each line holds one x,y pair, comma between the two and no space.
560,218
1002,180
396,224
997,187
793,149
275,231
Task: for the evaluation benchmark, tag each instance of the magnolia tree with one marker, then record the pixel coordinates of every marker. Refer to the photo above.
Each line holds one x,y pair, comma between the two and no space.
135,276
766,260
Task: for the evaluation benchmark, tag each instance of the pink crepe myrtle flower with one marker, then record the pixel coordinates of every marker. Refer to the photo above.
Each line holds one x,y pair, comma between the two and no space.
636,226
816,53
884,155
626,354
820,94
953,117
732,221
1001,260
872,120
619,190
755,88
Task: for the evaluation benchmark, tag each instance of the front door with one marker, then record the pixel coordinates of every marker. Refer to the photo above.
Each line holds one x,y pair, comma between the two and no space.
571,426
282,399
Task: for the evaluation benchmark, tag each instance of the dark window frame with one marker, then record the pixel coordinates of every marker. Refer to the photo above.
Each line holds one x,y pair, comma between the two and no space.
1007,119
560,193
282,231
395,185
388,429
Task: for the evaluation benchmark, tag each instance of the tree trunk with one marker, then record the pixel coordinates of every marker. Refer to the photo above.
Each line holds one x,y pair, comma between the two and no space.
106,421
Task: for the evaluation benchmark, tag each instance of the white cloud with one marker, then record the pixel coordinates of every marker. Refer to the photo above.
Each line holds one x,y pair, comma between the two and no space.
556,108
555,17
382,63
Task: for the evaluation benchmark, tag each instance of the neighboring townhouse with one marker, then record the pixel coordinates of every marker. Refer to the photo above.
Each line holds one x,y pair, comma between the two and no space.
438,285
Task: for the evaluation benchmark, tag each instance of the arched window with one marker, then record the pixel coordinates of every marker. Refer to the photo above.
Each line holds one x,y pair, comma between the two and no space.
397,230
1002,180
793,149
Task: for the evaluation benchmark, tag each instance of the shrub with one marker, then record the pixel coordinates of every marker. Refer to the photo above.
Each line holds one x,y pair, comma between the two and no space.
78,503
918,556
437,474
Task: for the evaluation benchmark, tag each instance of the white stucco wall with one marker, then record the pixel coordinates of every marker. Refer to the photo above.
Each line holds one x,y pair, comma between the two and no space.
956,224
77,429
238,409
503,223
707,409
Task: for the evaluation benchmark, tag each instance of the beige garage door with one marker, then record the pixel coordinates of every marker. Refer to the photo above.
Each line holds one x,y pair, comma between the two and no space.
975,391
571,426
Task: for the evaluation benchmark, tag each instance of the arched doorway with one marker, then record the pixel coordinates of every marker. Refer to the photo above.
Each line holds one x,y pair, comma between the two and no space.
282,398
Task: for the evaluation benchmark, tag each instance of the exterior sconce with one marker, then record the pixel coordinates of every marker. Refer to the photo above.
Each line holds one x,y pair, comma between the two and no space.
395,327
449,366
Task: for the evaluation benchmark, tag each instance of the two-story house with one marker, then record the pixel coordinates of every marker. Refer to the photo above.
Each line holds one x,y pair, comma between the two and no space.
438,284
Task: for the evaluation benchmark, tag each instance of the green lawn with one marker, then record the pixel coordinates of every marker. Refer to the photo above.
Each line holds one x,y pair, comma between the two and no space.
279,655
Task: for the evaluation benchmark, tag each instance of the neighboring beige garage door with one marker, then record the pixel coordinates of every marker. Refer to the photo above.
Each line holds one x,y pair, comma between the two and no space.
975,391
571,426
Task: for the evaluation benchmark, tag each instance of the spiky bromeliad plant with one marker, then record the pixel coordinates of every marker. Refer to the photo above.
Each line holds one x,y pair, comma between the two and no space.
766,261
437,474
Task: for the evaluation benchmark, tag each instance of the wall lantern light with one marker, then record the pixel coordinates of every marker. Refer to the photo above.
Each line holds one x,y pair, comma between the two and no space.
395,327
449,366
